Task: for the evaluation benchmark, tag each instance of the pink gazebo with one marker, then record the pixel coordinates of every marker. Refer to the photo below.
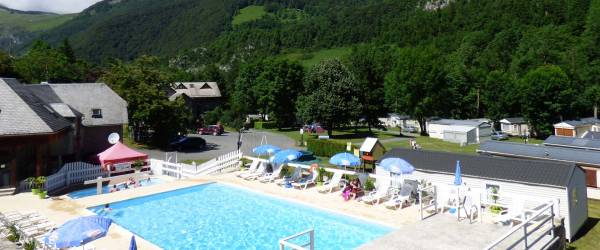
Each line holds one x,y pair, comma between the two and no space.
119,153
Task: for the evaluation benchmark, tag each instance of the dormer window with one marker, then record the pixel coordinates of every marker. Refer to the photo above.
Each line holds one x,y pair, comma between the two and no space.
96,113
206,86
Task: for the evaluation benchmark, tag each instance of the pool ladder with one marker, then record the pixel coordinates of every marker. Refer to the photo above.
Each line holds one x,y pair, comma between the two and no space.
285,242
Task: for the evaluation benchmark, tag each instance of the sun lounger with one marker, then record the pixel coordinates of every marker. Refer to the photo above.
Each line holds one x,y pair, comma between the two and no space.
375,197
293,178
515,212
270,177
251,169
262,170
400,198
330,185
303,183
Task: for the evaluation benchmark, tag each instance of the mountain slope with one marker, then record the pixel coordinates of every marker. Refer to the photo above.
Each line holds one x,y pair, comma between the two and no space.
127,28
19,27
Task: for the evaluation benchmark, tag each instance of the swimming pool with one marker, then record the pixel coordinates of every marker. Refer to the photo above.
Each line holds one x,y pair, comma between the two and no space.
219,216
105,189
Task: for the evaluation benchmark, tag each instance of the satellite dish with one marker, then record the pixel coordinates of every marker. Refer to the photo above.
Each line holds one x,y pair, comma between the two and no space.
113,138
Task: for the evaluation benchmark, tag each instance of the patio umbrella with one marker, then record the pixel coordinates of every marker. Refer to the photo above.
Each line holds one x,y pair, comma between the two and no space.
78,232
397,166
266,149
457,176
132,243
345,159
285,156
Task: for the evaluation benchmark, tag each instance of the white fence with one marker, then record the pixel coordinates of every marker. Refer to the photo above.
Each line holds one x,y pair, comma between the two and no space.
223,163
69,174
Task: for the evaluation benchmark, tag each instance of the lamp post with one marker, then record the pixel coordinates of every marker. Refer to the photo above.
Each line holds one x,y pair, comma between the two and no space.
301,136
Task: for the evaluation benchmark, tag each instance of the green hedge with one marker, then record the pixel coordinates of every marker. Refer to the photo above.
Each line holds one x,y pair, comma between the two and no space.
325,148
265,125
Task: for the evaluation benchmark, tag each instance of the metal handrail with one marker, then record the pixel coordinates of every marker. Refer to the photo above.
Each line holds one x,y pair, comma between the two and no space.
284,241
523,226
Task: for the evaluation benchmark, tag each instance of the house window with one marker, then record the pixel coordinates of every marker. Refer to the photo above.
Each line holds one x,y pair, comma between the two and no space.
96,113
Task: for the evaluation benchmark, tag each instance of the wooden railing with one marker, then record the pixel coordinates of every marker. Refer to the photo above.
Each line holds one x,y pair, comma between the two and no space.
285,242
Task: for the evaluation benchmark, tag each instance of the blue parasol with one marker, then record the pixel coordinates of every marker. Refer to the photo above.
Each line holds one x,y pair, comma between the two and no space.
77,232
345,159
285,156
397,166
266,149
132,243
457,176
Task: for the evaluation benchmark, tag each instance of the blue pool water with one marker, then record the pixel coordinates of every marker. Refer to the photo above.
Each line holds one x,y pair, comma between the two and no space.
105,189
218,216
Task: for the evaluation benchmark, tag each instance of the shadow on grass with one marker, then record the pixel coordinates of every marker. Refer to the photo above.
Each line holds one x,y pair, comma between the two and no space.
586,228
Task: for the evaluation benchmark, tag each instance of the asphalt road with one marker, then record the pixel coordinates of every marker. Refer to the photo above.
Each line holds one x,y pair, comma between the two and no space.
219,145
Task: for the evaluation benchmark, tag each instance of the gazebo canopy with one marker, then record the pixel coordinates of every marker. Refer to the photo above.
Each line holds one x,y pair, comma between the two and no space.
119,153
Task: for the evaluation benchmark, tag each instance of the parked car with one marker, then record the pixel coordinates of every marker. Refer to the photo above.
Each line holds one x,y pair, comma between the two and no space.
499,136
409,129
211,130
187,143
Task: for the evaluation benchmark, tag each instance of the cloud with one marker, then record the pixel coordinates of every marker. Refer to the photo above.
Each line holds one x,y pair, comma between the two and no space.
56,6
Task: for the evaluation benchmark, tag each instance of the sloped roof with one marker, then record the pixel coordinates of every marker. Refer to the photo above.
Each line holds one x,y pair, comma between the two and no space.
368,144
470,122
82,98
591,135
459,128
581,122
533,151
23,113
493,168
572,142
514,120
195,90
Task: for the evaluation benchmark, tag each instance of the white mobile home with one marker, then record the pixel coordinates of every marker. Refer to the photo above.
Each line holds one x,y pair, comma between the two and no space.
514,126
576,128
536,180
437,129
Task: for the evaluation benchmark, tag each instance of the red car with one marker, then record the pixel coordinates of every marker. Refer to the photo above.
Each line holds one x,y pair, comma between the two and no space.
211,130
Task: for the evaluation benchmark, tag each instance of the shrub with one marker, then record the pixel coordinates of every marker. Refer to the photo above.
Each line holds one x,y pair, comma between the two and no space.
369,185
325,148
265,125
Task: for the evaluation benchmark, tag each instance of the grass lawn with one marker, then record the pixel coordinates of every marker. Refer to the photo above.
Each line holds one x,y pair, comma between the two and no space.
250,13
428,143
590,238
197,161
33,22
309,59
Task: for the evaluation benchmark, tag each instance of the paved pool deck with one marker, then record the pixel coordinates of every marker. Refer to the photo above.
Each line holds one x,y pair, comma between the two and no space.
409,233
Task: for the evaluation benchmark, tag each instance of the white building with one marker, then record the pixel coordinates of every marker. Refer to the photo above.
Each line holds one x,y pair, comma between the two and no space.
535,181
460,131
514,126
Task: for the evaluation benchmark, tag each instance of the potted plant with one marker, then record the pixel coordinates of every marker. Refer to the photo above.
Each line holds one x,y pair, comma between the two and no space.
369,185
138,165
31,182
41,182
321,175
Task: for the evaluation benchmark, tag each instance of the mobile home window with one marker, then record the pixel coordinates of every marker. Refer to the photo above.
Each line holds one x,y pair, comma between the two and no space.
96,113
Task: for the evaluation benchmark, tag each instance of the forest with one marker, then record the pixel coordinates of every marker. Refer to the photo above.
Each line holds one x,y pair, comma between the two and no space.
452,59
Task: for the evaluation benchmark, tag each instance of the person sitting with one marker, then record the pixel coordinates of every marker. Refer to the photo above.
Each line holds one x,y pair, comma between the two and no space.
352,189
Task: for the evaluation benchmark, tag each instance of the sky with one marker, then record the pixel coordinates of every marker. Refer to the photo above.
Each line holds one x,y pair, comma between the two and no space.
56,6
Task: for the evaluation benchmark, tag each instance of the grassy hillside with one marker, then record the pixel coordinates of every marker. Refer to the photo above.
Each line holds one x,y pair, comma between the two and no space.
309,59
250,13
32,21
133,27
